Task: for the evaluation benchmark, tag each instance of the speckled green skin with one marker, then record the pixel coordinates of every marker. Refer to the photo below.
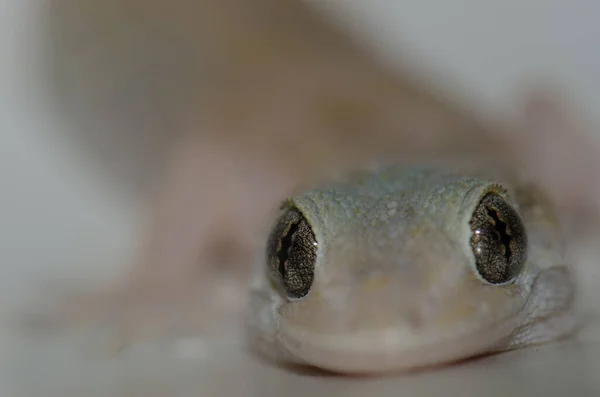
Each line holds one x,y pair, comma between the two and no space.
395,285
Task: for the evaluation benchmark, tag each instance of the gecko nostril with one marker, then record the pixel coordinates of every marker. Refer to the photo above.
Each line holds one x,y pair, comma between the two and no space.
337,297
414,319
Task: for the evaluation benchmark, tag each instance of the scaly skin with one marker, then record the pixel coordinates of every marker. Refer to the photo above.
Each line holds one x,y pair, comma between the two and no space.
395,284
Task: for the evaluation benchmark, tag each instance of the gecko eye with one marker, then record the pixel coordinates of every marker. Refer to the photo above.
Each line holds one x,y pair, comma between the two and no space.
292,253
498,240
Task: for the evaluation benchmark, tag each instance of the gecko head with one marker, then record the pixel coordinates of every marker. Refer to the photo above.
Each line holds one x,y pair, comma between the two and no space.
368,278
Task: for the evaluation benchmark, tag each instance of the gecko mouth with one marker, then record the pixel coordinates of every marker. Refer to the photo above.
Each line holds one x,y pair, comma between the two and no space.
391,350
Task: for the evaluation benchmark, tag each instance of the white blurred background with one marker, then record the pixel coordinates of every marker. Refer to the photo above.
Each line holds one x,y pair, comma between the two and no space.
62,217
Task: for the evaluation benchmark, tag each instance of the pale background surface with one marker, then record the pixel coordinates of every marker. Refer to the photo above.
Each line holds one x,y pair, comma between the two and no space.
62,221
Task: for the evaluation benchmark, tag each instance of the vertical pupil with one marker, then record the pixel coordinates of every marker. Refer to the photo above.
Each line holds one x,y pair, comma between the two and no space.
501,233
286,245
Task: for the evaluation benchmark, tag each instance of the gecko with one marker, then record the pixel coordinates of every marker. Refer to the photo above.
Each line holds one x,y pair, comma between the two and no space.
268,96
405,267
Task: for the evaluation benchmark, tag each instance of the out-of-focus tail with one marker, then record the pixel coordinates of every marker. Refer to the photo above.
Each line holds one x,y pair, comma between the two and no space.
263,71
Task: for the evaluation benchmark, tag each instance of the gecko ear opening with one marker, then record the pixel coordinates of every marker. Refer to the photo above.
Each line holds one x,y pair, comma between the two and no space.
292,253
498,240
